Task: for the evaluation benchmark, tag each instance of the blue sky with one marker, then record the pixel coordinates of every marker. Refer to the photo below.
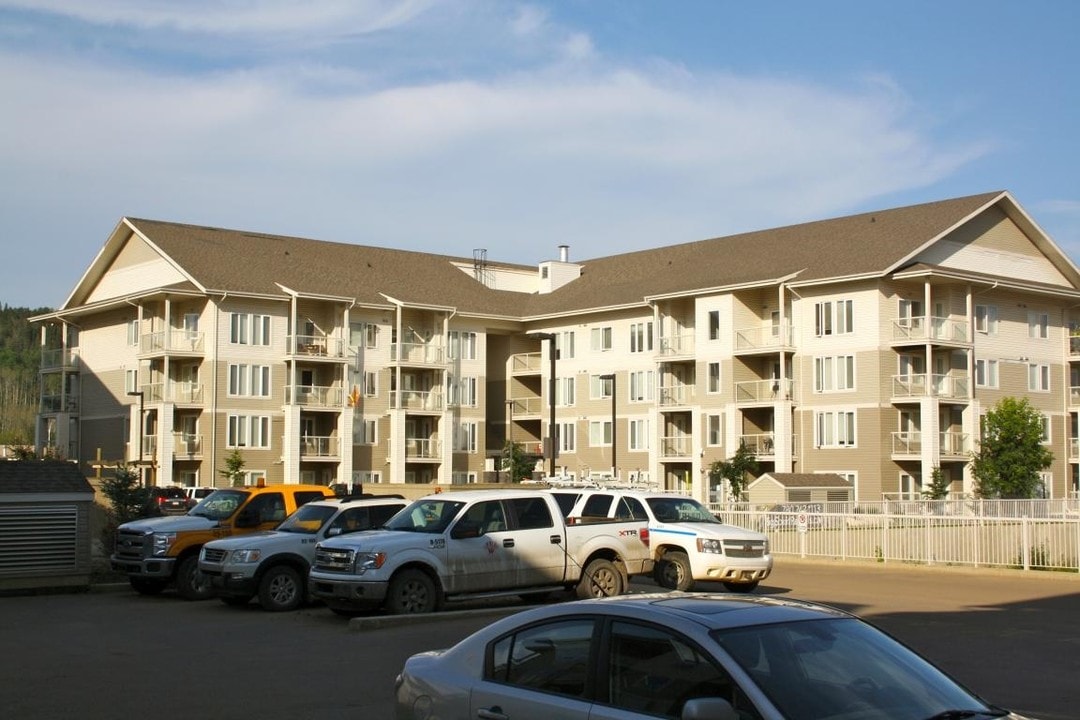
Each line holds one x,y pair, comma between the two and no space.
446,126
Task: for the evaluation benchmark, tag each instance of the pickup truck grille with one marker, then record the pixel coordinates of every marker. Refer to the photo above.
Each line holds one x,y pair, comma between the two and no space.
214,555
132,545
744,548
332,560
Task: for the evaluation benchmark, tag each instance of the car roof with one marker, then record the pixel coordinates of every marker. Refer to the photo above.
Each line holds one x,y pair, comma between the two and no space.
352,500
476,495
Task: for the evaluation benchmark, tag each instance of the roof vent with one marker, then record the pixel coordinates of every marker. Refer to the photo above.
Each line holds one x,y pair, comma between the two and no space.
564,253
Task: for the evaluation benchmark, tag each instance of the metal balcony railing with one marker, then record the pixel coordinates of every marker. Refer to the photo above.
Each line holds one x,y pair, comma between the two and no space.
764,338
313,446
674,395
942,329
924,385
418,353
60,359
907,442
174,340
327,396
320,346
675,345
756,391
417,400
187,444
423,448
676,446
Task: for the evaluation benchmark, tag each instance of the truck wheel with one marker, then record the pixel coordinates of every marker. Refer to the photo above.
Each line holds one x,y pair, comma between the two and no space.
147,586
281,589
740,587
601,578
673,571
411,591
190,583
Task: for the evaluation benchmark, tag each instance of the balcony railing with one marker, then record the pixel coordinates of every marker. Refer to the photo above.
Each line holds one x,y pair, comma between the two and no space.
417,400
1074,344
676,446
418,353
942,329
954,444
526,406
321,346
924,385
674,395
313,446
1074,448
763,445
59,359
907,442
184,393
59,403
185,341
423,448
677,345
525,362
327,396
186,444
757,391
1074,395
767,337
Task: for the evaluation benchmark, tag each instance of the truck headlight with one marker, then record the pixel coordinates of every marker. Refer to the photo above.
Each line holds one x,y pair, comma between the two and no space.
365,561
709,545
246,556
162,543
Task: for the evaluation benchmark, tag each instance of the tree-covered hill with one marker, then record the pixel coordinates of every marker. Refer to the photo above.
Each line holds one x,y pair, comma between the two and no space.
20,356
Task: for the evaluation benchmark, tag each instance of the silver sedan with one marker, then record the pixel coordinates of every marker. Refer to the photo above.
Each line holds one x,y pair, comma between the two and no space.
682,655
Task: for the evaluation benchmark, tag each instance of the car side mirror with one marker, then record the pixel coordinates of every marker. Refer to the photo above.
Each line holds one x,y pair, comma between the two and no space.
466,529
709,708
331,532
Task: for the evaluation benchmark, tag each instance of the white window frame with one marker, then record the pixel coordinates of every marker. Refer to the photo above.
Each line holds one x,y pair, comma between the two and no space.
986,373
600,388
365,432
834,373
986,319
462,345
1038,325
835,429
566,432
641,337
642,384
712,378
465,439
565,392
600,433
247,431
131,381
1044,420
714,324
1038,377
714,430
601,339
564,344
638,430
133,332
834,317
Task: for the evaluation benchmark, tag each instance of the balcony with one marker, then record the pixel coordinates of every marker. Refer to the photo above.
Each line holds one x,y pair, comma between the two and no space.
1074,448
422,449
426,400
925,385
907,444
526,406
172,341
764,391
315,396
59,403
674,395
1074,396
525,363
676,447
182,393
954,445
60,359
313,447
769,338
186,446
418,353
934,329
677,346
316,346
763,445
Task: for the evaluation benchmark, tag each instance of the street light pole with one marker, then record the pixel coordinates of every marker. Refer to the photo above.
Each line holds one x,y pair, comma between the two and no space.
614,465
552,355
510,440
142,411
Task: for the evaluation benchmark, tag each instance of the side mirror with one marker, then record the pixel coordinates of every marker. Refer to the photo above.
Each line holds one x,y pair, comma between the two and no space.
710,708
465,529
331,532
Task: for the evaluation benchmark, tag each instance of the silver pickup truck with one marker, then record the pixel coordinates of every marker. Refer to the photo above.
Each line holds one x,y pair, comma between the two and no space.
485,543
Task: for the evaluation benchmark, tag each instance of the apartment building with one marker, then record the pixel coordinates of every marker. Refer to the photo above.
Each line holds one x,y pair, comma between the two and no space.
868,346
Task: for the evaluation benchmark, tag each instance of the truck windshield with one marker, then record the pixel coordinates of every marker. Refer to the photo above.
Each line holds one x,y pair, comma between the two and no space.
308,519
219,504
426,516
674,510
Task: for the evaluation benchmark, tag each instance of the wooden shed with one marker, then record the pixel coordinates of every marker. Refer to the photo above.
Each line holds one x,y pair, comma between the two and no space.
781,488
44,525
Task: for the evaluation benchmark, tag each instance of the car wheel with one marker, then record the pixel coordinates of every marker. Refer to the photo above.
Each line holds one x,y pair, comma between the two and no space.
673,571
740,587
601,578
281,589
411,591
190,583
147,586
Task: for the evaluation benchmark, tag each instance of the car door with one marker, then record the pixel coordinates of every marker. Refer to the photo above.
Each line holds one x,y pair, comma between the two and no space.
539,553
480,550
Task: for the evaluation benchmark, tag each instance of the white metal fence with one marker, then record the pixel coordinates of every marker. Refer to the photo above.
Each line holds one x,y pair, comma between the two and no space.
1028,535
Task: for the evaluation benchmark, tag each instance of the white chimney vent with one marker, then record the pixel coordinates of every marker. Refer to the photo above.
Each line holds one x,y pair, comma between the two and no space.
564,253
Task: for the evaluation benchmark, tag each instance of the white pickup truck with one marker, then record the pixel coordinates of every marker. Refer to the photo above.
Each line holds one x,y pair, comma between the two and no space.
484,543
273,565
688,542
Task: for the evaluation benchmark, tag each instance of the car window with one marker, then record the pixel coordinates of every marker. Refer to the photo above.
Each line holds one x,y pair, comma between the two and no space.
306,496
596,507
220,504
381,513
627,508
426,516
653,671
268,507
667,509
566,501
553,657
486,516
308,519
531,513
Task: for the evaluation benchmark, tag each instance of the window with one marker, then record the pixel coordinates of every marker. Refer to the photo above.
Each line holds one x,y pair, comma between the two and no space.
260,329
641,337
1038,325
466,437
641,385
248,431
600,433
566,433
564,391
133,332
249,329
834,317
714,324
364,432
986,373
532,513
131,381
601,339
249,380
714,377
1039,378
462,345
252,477
561,671
461,391
600,388
564,344
371,387
1045,422
639,434
834,373
363,334
986,319
714,430
834,429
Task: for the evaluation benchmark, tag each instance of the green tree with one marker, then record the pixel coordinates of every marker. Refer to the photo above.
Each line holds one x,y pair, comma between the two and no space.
517,463
939,486
125,493
735,470
1011,453
234,469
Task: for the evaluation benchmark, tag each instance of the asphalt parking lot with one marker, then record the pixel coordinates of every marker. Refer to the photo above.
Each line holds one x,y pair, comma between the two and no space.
1012,637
